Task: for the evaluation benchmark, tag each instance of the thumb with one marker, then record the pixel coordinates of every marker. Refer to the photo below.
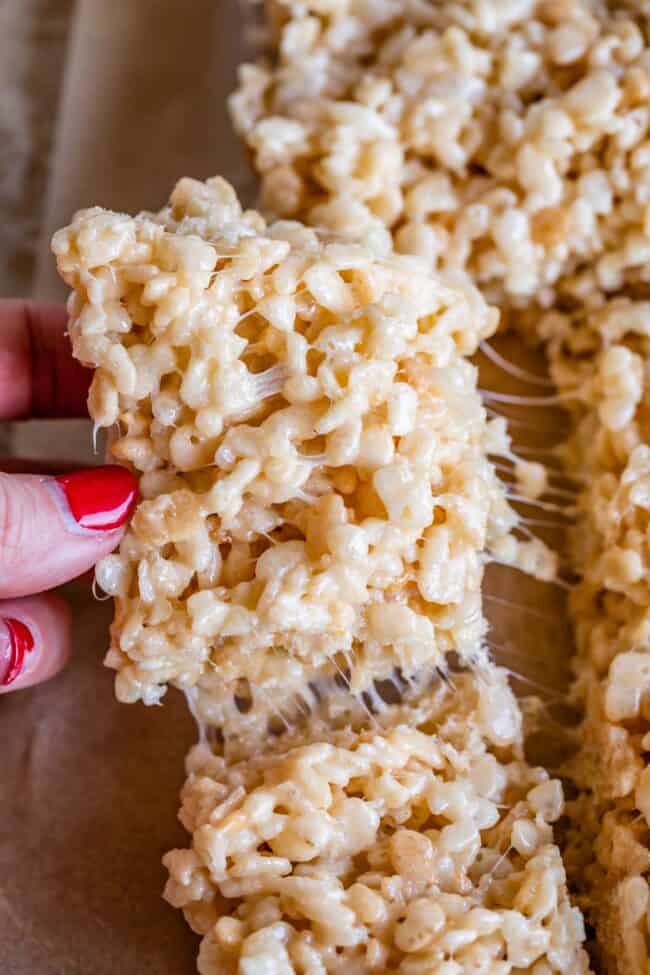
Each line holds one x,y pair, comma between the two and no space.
52,529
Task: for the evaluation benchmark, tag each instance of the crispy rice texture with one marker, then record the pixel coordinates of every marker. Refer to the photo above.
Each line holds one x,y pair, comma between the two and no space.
317,501
507,140
602,360
420,845
316,498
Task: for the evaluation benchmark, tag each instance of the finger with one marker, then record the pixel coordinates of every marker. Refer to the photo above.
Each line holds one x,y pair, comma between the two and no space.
38,376
53,529
34,640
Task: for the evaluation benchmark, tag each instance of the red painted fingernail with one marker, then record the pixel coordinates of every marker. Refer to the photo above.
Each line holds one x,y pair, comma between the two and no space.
101,498
19,642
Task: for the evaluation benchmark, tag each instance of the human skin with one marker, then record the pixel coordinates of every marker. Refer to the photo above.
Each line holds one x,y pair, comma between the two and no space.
52,528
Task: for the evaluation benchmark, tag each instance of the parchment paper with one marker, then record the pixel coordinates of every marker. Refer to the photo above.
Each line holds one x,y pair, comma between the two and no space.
88,788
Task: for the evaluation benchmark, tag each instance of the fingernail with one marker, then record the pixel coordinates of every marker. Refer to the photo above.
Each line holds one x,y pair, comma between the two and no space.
99,499
16,641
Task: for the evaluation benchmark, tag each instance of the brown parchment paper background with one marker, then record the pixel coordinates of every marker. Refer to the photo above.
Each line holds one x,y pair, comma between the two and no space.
88,788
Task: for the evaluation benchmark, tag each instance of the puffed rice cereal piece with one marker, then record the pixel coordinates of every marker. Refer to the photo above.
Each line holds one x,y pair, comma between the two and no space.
421,847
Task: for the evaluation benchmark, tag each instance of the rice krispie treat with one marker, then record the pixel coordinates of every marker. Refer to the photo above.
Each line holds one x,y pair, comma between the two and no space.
316,498
607,355
604,357
508,140
422,847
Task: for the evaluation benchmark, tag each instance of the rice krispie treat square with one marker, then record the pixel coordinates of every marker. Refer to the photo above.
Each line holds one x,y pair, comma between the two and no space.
316,498
421,847
506,140
602,359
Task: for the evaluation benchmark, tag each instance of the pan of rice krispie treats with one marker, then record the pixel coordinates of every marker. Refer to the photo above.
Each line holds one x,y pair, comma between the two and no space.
323,482
317,505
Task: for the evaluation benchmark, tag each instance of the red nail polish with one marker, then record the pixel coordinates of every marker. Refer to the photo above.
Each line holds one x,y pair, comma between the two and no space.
101,498
21,642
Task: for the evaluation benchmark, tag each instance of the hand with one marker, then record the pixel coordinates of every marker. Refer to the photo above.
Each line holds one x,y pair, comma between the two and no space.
52,529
